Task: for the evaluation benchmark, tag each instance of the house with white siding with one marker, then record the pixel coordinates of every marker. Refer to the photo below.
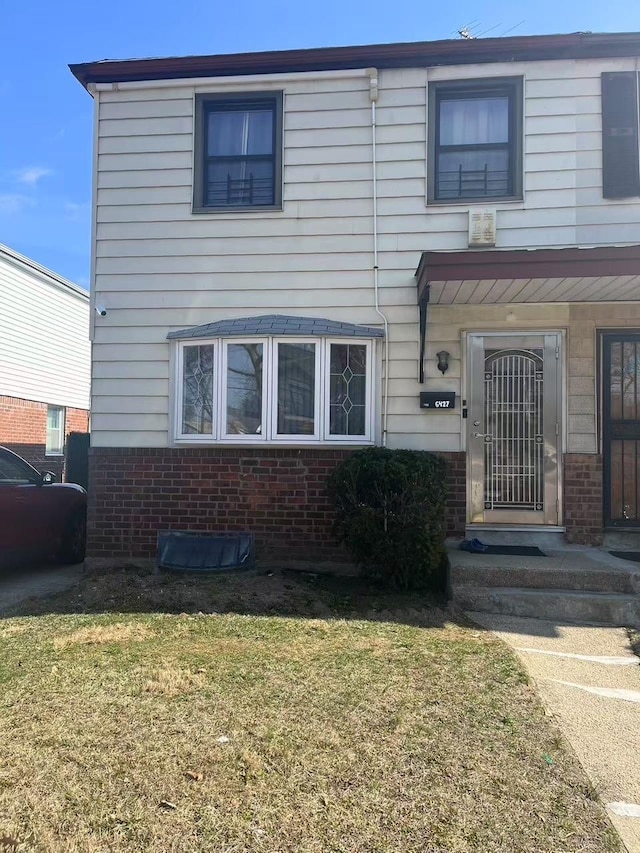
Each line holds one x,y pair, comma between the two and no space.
430,245
45,361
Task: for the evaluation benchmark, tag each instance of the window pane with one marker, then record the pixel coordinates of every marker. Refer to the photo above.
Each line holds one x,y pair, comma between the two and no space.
474,121
55,430
260,132
244,389
197,394
296,389
240,182
463,174
233,133
347,389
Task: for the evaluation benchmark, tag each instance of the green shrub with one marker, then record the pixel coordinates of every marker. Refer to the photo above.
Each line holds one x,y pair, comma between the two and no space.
390,515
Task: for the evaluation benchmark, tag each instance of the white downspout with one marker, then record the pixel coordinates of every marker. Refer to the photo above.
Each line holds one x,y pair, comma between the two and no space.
373,96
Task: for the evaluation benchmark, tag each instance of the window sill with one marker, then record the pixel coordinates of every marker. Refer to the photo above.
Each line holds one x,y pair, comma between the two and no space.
466,203
269,445
232,209
50,455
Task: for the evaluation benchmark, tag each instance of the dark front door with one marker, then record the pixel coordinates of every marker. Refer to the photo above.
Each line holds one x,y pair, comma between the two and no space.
621,429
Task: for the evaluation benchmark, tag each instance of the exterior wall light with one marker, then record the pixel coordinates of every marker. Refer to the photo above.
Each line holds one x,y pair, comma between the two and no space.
443,361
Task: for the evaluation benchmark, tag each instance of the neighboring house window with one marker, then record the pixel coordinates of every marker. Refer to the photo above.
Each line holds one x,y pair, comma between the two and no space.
285,390
238,152
55,431
475,140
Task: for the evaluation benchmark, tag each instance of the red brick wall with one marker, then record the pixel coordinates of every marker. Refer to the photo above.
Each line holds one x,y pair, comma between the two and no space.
278,494
23,429
583,498
457,493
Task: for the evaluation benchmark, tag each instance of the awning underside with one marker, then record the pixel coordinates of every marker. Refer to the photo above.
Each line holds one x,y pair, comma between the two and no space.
503,276
624,288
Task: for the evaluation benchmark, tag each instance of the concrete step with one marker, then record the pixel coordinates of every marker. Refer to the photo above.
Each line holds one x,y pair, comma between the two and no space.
562,605
622,540
541,537
591,579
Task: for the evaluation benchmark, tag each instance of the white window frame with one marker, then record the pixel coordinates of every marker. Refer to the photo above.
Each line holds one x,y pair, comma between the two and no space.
270,435
317,398
196,438
61,430
348,439
222,387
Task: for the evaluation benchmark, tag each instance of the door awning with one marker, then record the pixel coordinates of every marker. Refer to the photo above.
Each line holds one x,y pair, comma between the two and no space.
499,276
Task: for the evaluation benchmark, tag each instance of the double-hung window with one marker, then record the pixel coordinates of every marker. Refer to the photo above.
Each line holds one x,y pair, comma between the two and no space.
475,140
55,431
238,152
278,389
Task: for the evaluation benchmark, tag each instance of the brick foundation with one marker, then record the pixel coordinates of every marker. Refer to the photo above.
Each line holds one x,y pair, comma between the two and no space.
23,429
277,494
583,498
456,516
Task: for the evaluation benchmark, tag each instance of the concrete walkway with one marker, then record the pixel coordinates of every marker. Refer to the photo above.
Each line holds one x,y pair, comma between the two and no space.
36,582
590,680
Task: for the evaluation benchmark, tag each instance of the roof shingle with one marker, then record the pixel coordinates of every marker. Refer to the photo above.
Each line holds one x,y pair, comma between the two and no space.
277,324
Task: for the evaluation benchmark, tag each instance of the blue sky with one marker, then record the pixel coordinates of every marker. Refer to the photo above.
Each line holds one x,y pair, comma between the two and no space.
45,138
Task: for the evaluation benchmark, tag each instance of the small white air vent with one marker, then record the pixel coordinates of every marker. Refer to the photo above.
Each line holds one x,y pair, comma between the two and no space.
482,226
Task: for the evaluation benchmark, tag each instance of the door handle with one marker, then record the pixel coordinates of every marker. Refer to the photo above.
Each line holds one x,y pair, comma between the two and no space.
480,434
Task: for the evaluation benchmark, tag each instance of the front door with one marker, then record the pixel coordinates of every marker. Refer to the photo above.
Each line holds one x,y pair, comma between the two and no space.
513,429
621,428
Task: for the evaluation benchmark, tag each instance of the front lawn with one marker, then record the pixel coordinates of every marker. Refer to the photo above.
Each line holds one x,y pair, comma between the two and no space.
364,723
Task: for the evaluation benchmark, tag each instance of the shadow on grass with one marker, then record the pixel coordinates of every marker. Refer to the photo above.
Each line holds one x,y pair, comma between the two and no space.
278,591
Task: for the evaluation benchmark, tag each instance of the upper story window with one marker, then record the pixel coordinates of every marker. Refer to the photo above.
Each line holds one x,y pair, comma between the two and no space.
278,384
238,152
475,140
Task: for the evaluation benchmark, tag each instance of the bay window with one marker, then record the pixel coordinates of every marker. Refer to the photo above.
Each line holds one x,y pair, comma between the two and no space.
285,390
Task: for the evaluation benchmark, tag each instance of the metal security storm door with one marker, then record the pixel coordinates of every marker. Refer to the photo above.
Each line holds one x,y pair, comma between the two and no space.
513,429
621,428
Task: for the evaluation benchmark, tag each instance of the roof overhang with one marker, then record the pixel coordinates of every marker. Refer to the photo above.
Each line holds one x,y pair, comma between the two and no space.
474,277
421,54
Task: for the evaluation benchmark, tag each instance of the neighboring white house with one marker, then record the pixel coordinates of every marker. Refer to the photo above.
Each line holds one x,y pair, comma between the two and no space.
45,360
299,193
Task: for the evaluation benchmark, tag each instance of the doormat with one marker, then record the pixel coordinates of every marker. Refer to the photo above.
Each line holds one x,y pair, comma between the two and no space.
515,550
634,556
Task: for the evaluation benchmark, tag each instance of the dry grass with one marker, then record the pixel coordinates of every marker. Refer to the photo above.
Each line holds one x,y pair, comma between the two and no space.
13,631
375,724
174,681
100,635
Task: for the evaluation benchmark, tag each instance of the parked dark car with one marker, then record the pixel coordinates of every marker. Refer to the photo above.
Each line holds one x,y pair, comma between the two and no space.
38,517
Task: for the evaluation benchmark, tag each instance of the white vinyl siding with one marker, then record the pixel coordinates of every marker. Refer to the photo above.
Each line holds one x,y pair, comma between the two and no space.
160,268
44,338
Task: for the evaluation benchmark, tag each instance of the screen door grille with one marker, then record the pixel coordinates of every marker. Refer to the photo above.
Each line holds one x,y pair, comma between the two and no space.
514,440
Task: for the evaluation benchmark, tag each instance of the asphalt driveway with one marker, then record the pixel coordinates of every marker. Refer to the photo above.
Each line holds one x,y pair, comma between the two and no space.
41,580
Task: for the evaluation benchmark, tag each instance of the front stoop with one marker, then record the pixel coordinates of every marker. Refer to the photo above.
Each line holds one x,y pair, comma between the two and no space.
585,585
598,608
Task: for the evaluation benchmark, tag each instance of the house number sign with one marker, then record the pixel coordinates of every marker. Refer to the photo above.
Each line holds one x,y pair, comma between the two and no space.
437,400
